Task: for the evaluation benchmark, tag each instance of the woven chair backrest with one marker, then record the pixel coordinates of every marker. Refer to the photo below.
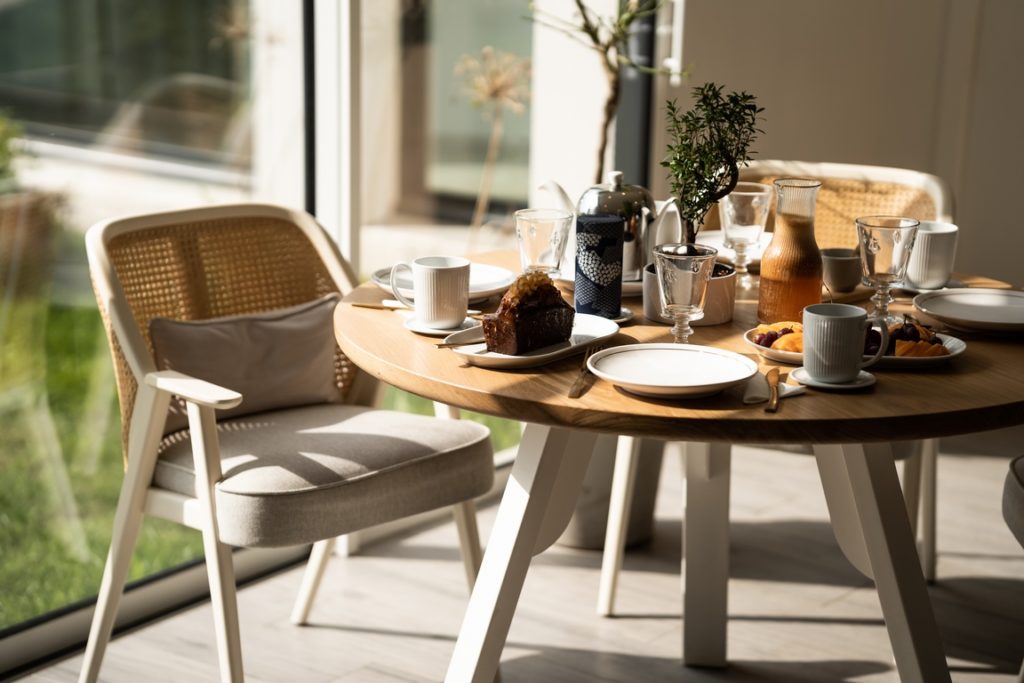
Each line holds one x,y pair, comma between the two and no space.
204,268
849,191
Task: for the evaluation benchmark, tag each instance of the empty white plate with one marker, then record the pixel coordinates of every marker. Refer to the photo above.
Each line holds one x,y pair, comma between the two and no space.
996,310
681,370
630,288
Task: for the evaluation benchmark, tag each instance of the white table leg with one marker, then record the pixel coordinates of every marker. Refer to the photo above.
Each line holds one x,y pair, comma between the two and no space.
538,502
872,494
627,458
706,554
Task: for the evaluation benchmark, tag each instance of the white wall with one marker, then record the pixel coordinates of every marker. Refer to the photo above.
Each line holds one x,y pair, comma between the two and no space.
568,93
933,85
381,104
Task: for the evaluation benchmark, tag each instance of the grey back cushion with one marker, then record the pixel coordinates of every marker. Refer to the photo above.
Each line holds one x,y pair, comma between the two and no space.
277,359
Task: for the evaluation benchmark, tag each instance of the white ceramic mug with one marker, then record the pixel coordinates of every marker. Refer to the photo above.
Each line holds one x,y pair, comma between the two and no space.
834,337
440,287
931,261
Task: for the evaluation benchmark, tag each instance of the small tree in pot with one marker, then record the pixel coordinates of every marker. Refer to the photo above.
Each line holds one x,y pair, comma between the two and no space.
708,144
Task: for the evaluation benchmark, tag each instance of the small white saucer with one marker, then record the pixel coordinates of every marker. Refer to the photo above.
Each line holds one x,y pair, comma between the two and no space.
864,379
625,315
414,325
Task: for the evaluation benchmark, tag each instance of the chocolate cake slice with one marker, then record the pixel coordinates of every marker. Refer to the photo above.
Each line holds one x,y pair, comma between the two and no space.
531,315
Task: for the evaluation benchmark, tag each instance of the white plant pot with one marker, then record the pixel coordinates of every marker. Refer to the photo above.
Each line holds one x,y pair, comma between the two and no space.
718,303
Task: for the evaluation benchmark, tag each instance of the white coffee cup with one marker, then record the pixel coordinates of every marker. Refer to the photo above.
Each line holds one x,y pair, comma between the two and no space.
834,337
440,287
931,261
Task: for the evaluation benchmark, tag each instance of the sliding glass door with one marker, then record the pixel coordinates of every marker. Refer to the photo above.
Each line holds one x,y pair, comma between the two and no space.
109,107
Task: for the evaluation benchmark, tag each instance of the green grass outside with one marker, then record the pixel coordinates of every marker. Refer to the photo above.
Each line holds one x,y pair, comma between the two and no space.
46,562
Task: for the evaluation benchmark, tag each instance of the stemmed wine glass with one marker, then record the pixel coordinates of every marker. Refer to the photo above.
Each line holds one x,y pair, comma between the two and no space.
683,272
743,214
885,243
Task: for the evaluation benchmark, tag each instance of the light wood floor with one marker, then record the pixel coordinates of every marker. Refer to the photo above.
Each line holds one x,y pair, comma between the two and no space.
797,612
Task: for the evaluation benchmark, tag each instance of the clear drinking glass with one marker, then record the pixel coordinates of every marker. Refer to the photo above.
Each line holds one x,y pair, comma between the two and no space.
743,214
542,235
885,243
683,273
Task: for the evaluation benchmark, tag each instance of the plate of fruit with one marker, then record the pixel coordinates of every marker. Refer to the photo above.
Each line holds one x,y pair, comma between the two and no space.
911,344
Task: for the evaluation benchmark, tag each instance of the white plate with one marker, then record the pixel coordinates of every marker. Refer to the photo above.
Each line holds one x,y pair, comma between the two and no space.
484,281
864,379
996,310
681,370
953,345
631,288
586,330
414,325
950,284
716,239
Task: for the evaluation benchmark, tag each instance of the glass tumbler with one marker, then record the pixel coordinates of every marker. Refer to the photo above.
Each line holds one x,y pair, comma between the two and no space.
542,235
743,214
683,273
885,243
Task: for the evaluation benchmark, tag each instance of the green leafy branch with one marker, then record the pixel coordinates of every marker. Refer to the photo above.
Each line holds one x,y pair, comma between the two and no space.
707,145
609,37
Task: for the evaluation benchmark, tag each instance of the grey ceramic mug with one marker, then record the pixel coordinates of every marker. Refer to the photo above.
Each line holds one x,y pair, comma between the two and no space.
834,341
841,269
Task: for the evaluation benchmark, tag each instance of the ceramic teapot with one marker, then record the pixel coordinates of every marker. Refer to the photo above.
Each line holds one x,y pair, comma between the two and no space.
648,223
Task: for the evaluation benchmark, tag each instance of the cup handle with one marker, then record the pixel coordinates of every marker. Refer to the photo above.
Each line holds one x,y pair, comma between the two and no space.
872,322
394,283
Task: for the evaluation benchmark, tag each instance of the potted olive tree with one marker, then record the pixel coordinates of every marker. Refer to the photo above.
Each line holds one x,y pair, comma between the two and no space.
707,145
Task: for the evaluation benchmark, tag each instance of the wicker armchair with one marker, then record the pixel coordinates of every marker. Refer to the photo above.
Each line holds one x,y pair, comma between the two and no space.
292,475
847,192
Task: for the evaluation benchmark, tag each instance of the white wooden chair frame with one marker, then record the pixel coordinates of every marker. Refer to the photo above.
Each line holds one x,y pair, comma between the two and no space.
919,470
155,388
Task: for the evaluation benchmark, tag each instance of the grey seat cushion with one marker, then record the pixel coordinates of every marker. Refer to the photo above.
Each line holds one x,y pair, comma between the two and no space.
1013,498
303,474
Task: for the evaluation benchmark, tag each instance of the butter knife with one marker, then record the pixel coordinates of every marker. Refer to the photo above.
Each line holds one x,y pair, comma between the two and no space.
773,388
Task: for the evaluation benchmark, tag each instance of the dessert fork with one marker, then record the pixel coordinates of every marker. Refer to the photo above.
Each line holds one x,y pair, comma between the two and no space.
576,390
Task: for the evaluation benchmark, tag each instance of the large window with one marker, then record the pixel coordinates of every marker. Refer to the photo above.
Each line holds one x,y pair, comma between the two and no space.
426,134
151,78
110,107
430,141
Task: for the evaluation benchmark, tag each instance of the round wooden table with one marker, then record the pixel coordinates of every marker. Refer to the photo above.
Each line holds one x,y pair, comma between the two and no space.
851,433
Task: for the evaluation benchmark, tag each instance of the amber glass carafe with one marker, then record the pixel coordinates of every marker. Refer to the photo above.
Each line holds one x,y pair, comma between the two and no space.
791,264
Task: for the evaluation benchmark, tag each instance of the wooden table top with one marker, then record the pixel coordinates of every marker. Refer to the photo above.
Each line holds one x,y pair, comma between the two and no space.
981,389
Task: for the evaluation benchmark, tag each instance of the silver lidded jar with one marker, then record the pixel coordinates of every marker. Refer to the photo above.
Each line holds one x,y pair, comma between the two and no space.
636,205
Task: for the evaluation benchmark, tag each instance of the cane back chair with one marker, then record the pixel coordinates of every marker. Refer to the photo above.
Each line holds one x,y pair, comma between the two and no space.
291,475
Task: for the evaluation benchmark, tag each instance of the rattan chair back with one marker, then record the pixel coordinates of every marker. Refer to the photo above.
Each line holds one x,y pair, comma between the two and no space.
206,263
849,191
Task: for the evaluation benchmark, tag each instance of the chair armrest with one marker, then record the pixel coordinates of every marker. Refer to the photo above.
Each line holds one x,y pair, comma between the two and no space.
194,390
